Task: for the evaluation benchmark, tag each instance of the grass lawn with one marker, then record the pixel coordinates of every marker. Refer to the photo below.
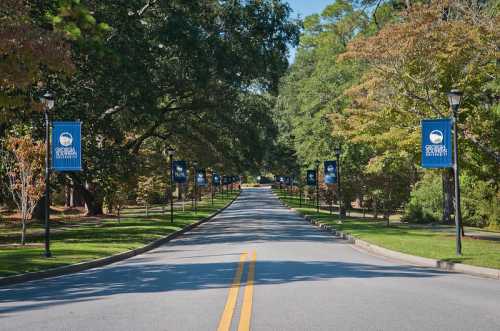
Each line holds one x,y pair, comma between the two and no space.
406,239
92,241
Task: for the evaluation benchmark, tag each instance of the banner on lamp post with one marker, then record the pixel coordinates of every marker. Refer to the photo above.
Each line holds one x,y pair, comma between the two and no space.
66,146
436,143
216,179
180,171
330,172
311,177
201,177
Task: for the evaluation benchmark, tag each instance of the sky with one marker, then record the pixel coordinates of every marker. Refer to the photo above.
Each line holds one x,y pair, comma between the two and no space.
305,8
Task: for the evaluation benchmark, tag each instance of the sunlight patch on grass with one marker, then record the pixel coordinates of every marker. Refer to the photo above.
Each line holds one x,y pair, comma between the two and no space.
409,240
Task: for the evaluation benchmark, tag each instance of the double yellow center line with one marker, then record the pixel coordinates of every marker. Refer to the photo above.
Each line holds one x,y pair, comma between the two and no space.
232,298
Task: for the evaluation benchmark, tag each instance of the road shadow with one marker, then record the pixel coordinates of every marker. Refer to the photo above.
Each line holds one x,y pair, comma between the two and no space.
248,220
142,276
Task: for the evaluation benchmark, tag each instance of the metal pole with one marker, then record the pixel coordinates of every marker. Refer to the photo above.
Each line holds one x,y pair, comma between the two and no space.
195,190
47,183
458,214
341,215
300,197
212,189
171,189
317,189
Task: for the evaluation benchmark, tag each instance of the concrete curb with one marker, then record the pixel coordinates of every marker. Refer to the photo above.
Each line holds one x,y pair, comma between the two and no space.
412,259
77,267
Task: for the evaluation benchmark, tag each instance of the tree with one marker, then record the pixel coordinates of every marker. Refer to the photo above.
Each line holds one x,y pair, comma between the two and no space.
413,63
184,74
23,159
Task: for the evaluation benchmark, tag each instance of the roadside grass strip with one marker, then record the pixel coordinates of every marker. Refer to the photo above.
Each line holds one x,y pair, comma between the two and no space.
407,239
97,240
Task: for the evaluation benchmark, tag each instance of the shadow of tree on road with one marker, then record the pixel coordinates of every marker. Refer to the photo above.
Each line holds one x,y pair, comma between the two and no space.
139,276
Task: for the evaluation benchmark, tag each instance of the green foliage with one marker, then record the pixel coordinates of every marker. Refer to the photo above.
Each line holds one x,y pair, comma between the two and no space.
426,200
480,201
144,76
367,72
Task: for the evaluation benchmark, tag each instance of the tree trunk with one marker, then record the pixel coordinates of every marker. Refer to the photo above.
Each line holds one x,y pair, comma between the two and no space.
69,200
448,193
23,231
66,196
71,197
93,204
39,210
375,209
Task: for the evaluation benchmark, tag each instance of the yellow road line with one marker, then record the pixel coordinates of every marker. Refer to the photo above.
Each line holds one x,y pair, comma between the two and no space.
246,310
227,315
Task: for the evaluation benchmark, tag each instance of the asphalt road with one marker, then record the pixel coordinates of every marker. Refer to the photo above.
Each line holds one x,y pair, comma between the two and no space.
256,264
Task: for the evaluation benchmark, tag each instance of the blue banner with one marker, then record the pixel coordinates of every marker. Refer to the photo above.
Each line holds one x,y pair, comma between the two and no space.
66,146
180,171
330,172
201,177
311,177
436,143
215,179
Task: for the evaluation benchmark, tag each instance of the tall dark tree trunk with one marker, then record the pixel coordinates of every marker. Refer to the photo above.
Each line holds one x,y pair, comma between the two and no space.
39,211
93,203
448,189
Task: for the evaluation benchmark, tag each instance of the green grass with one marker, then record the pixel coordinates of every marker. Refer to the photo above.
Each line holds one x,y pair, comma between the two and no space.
410,240
88,242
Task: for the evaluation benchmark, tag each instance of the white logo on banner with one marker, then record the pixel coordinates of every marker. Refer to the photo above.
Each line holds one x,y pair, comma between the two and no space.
436,137
66,152
66,139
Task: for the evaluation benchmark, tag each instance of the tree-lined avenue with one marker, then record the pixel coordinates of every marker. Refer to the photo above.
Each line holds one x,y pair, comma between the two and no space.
304,279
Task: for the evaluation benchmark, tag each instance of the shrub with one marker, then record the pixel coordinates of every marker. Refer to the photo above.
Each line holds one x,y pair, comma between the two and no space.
426,200
480,201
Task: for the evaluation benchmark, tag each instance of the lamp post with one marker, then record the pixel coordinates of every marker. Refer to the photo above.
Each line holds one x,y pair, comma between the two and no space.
454,98
48,101
171,152
317,162
195,175
338,151
212,186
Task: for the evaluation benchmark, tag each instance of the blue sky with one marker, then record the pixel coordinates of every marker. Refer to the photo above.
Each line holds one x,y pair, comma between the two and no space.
305,8
308,7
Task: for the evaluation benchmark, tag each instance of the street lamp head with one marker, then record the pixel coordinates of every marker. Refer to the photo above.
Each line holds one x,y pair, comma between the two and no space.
195,163
317,163
170,151
454,98
47,100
